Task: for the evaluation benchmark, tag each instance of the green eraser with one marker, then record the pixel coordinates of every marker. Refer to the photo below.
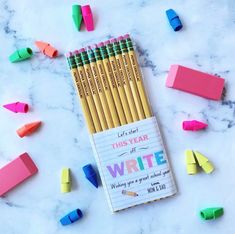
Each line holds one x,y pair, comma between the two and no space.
211,213
77,16
20,55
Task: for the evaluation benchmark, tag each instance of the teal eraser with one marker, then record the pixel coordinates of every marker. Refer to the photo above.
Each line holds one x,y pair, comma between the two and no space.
20,55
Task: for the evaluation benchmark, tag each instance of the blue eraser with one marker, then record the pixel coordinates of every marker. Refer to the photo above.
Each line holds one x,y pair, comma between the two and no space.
174,20
90,174
65,220
72,217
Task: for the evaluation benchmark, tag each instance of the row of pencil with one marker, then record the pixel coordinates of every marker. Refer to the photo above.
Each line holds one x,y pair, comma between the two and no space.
109,84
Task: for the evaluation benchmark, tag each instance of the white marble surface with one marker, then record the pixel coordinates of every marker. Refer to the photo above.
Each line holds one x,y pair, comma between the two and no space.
206,43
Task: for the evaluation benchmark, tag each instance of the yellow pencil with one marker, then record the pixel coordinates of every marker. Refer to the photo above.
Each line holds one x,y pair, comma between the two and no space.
131,77
124,78
119,82
82,97
138,76
129,193
105,83
112,83
94,91
99,86
87,91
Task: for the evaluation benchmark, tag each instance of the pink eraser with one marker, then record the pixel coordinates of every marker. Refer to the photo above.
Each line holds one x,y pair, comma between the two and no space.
16,172
81,50
195,82
126,36
75,52
193,125
87,17
68,54
107,42
17,107
120,38
113,40
100,44
94,46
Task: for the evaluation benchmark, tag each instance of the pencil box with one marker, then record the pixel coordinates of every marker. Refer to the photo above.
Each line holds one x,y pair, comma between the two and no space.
133,164
130,154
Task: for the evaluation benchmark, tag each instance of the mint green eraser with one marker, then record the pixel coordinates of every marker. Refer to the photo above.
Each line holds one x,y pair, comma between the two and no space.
77,16
20,55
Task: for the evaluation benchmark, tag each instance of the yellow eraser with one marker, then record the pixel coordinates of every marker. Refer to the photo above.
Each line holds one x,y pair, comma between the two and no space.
65,180
204,162
190,162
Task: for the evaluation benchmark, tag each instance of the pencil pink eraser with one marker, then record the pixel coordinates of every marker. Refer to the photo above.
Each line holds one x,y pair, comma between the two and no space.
195,82
113,40
126,36
120,38
81,50
107,42
16,172
87,17
100,44
68,54
94,46
75,52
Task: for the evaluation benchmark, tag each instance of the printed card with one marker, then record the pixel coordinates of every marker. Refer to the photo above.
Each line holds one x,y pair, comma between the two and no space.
133,164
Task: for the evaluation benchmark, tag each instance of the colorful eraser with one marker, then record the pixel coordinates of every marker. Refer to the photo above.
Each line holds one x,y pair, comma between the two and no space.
72,217
46,49
191,164
17,107
120,38
65,180
204,162
193,125
90,174
28,129
75,52
211,213
77,16
16,172
113,40
100,44
126,36
94,46
195,82
174,20
81,50
68,54
87,17
107,42
20,55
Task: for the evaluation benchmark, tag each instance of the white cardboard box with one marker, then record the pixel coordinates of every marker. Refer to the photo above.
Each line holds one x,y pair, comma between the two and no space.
132,158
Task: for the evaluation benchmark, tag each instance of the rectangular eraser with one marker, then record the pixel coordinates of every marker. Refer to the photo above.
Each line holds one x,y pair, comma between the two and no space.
195,82
16,172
